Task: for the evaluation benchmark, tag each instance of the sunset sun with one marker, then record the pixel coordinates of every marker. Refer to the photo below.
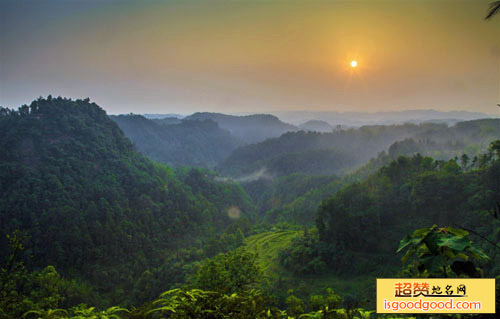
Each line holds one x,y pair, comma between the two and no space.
354,64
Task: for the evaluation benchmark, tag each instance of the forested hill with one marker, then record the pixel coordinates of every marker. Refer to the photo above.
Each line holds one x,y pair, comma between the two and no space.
200,143
294,152
250,128
409,193
93,206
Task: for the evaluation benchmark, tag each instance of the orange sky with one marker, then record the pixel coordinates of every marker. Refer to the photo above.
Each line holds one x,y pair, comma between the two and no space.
253,56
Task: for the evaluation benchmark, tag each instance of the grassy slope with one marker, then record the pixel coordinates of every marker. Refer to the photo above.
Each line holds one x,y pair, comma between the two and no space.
268,244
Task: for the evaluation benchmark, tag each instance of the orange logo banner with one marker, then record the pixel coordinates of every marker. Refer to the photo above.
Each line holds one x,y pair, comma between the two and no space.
435,295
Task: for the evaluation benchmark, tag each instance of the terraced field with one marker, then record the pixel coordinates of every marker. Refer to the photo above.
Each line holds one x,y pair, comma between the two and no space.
267,245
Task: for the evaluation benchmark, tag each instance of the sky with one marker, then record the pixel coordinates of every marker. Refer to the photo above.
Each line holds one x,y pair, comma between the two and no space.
252,56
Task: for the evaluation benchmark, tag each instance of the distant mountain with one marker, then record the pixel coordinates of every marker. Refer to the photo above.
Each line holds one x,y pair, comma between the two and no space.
395,117
167,120
316,125
249,128
296,197
162,116
340,151
352,147
179,142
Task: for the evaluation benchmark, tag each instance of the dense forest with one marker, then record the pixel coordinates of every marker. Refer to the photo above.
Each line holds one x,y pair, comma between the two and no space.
94,225
92,205
179,143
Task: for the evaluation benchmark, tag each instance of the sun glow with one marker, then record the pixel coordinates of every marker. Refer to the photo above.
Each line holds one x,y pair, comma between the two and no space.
354,64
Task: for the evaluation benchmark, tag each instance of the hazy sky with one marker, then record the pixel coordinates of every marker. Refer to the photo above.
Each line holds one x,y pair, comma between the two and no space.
252,56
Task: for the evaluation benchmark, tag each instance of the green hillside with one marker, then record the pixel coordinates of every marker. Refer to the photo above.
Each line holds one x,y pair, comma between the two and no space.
267,246
94,207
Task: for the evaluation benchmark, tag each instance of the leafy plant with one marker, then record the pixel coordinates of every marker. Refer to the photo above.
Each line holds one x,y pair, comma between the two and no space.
228,273
195,303
442,252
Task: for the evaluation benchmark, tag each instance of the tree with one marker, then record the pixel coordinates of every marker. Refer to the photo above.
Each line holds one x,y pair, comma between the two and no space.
494,148
494,9
232,272
464,161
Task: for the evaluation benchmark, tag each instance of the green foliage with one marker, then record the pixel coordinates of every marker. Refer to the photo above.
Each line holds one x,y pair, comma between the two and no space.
12,275
303,255
278,279
294,304
232,272
201,304
330,301
38,291
229,240
250,304
294,198
196,303
441,252
79,312
369,217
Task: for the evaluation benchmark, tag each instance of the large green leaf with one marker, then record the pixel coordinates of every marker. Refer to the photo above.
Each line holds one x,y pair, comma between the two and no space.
434,264
408,254
477,253
422,232
455,243
431,241
416,238
456,231
403,243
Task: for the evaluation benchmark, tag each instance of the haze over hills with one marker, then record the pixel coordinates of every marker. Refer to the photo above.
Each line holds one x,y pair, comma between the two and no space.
379,118
281,149
306,152
177,142
162,116
316,126
249,128
167,120
245,125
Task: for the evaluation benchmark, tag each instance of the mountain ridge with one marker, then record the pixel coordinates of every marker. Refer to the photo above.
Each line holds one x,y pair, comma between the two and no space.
250,128
184,143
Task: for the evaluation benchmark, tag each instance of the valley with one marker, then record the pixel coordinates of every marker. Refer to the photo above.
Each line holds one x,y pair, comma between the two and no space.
116,227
